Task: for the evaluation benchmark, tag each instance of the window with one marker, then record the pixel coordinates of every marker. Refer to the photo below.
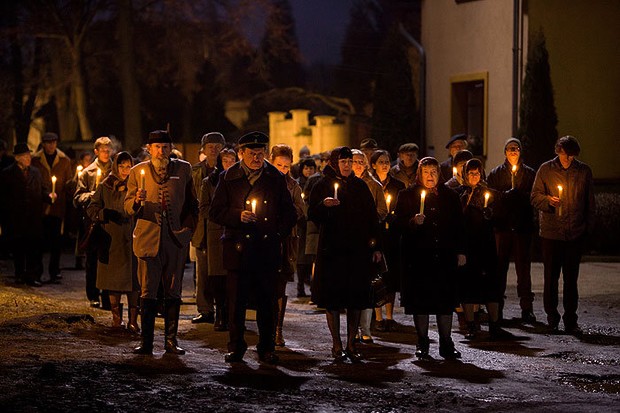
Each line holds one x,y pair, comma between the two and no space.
469,110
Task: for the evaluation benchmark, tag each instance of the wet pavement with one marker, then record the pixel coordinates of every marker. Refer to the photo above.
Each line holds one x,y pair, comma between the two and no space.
58,353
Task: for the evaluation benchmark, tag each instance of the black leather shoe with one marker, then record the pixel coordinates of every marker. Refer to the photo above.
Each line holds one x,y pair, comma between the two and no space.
204,318
353,355
528,317
269,357
422,348
34,283
95,304
172,347
447,350
338,355
233,357
144,350
572,329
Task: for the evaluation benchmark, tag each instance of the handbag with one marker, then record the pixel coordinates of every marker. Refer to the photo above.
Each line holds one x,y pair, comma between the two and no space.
91,238
378,291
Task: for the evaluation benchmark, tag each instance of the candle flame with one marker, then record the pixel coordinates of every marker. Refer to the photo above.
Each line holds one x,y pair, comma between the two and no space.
454,170
303,195
336,185
514,168
79,168
423,194
54,179
560,188
142,172
98,171
388,199
487,195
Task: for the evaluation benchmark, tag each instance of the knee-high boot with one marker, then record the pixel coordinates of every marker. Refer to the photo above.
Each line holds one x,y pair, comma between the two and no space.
172,308
280,321
149,312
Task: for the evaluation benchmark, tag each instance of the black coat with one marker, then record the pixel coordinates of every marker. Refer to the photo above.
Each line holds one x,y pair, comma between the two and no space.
429,251
348,236
479,281
22,202
512,209
253,246
390,239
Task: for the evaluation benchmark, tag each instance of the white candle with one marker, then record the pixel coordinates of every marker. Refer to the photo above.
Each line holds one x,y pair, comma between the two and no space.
560,189
142,183
53,188
512,176
336,190
79,170
254,206
388,201
422,198
98,177
303,195
486,199
454,171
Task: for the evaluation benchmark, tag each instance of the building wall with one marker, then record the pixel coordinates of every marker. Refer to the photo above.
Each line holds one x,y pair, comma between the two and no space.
583,40
462,39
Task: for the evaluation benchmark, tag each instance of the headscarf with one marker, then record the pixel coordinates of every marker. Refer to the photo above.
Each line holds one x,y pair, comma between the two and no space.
341,152
114,180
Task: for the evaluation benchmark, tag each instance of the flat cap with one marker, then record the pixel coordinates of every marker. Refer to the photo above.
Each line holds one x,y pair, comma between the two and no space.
254,140
212,137
457,137
369,143
49,136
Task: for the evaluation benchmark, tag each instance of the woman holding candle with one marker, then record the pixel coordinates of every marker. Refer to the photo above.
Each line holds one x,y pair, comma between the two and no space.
348,246
380,162
115,268
432,249
479,281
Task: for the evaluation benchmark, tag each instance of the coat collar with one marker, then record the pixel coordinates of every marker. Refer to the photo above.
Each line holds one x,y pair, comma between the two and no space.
236,171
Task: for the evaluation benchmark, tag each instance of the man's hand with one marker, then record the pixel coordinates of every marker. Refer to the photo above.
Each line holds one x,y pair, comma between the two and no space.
331,202
248,216
461,260
418,219
140,195
554,201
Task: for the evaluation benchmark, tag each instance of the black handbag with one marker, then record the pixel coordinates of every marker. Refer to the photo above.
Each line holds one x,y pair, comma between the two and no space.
92,237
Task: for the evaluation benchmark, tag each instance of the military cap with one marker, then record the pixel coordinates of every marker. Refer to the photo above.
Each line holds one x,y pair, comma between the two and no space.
254,140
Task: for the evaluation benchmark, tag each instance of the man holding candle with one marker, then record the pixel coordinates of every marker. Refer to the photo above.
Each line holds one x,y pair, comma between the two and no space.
52,162
252,241
86,186
514,224
456,144
165,211
563,235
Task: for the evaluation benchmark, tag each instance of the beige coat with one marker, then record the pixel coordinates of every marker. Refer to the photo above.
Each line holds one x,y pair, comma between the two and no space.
181,207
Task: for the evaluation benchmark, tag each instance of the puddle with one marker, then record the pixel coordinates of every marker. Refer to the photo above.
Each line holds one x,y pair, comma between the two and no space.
573,357
590,383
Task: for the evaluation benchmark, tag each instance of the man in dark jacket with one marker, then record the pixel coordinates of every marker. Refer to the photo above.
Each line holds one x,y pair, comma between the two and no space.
255,207
23,194
563,194
456,144
513,181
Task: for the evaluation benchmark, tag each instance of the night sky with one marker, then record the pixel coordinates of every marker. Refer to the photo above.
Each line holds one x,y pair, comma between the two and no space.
321,25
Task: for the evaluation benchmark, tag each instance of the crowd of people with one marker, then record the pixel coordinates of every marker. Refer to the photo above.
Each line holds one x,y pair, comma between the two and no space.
440,235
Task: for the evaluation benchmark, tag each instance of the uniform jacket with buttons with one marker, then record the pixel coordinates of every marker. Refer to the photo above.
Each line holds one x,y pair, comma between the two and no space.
253,246
176,193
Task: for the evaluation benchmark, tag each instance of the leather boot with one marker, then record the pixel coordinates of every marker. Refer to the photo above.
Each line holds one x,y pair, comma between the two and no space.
423,347
172,308
133,326
149,312
280,321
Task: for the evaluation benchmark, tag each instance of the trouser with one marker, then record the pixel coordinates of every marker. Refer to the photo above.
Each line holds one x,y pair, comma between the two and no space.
304,273
92,292
51,232
204,290
166,269
239,285
564,257
507,241
26,258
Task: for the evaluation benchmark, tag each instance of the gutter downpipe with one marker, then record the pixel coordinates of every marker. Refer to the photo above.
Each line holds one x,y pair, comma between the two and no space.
515,67
422,85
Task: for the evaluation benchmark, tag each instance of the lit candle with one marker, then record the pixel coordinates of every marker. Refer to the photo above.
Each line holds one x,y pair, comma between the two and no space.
79,170
254,206
486,199
53,188
388,201
422,198
512,176
98,177
336,190
303,195
454,172
560,189
142,183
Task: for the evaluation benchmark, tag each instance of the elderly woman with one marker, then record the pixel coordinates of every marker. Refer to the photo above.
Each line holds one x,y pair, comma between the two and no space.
116,267
430,219
480,282
282,158
216,274
380,163
342,206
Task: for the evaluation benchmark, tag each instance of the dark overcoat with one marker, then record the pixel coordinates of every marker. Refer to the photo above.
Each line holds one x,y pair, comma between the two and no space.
348,236
22,202
479,281
253,246
429,251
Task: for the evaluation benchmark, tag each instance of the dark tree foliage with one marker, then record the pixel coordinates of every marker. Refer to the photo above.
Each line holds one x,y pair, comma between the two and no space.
537,112
280,58
394,117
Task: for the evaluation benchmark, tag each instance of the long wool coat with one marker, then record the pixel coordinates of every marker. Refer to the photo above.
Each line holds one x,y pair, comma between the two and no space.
349,234
115,270
429,251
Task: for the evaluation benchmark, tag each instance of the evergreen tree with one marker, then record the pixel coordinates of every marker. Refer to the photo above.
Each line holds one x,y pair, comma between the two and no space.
538,116
280,57
394,117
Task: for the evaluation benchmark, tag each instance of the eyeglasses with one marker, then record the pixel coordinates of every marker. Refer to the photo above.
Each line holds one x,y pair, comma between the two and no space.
513,149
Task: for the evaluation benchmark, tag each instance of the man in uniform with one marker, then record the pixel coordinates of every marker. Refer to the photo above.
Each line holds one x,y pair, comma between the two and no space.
161,198
87,183
52,162
253,204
